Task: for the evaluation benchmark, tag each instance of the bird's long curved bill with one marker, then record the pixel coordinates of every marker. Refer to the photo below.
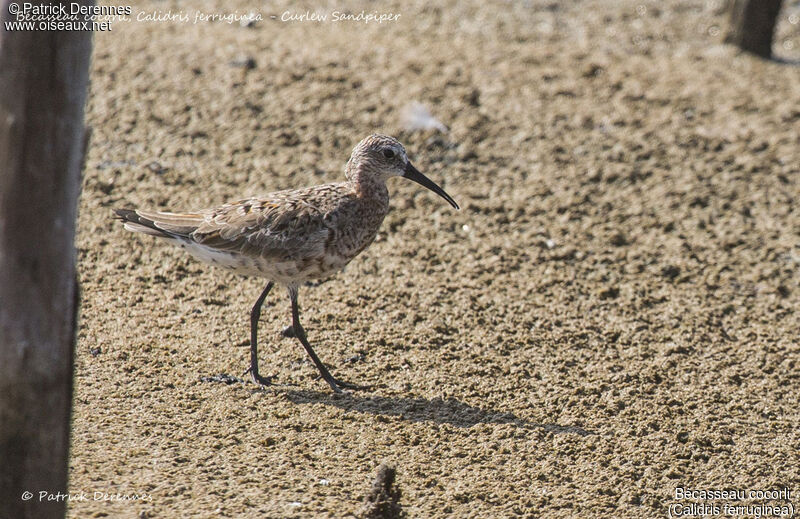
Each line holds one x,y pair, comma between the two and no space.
413,174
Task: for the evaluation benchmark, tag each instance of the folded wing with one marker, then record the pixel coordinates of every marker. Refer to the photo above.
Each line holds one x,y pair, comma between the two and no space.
281,226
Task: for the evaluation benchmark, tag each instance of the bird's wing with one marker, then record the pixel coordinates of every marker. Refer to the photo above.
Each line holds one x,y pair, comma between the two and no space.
160,223
282,225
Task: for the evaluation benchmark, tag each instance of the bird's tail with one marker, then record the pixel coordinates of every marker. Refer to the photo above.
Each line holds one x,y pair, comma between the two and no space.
160,224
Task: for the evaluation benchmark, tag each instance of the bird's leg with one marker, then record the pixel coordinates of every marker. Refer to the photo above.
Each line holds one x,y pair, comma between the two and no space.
255,314
300,333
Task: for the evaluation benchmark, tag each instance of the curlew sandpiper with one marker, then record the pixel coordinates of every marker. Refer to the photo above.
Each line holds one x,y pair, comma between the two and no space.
292,236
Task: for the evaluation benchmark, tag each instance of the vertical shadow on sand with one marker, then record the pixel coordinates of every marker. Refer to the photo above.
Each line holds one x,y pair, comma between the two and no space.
437,410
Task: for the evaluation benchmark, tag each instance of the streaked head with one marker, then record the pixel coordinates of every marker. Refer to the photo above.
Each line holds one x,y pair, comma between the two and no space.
381,157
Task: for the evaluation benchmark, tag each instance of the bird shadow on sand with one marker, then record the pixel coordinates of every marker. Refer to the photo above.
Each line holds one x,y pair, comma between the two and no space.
436,410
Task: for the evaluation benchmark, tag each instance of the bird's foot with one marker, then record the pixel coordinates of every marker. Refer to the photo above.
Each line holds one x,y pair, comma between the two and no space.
337,385
256,378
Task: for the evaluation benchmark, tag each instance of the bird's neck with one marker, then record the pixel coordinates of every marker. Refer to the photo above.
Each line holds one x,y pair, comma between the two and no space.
368,186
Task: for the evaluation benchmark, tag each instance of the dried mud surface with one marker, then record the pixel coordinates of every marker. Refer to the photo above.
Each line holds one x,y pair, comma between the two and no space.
612,314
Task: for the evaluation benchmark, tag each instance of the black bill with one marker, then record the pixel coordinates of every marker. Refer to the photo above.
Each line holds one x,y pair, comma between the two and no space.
413,174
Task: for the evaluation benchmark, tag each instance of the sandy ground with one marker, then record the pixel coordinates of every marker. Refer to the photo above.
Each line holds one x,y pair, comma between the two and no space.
612,314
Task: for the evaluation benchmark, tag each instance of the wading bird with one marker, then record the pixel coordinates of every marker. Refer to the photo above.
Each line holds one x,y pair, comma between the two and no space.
292,236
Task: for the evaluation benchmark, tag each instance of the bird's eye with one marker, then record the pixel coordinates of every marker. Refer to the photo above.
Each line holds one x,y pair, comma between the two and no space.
388,154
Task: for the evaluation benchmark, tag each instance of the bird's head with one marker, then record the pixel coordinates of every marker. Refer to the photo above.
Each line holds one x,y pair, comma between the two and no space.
379,157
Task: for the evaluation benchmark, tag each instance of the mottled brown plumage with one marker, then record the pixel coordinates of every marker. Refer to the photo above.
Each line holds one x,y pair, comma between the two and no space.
294,235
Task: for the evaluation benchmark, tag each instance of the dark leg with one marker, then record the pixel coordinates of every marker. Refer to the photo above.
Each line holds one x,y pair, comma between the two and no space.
300,333
255,314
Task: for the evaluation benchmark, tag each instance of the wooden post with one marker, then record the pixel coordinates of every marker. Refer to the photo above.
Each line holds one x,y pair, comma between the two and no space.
43,86
752,25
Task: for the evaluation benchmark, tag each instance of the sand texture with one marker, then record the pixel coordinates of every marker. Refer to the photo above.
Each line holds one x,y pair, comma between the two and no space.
612,314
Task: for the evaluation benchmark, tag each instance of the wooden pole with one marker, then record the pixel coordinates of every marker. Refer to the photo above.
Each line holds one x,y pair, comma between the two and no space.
752,25
43,88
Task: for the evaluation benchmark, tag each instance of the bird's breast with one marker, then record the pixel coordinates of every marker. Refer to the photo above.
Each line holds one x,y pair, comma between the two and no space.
351,232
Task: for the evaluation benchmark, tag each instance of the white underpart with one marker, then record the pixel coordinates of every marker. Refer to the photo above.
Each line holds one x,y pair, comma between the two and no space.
281,271
285,272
